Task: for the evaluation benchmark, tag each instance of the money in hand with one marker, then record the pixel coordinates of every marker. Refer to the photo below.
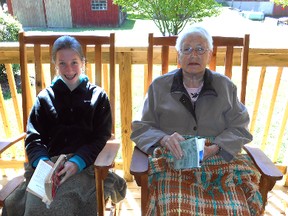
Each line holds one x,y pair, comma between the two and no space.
193,153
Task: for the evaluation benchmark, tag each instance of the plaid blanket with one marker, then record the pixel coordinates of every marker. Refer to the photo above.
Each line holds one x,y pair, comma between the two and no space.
216,188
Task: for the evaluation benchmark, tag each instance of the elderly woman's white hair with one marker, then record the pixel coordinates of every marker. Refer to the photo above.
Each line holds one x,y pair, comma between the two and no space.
193,30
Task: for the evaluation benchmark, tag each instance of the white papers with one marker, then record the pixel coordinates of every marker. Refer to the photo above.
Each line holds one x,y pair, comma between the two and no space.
37,182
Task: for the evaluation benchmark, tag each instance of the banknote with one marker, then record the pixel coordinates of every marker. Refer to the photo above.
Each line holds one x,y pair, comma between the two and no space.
193,152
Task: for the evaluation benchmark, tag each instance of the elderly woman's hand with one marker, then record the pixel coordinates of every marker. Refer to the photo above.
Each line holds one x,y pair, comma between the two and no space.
210,151
69,169
171,142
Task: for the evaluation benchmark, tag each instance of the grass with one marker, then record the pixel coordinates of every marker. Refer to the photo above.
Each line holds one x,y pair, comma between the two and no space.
127,25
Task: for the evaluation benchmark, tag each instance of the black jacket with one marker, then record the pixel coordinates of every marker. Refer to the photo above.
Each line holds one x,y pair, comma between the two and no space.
62,122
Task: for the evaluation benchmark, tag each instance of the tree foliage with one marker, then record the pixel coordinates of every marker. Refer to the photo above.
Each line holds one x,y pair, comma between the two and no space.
283,3
171,16
9,28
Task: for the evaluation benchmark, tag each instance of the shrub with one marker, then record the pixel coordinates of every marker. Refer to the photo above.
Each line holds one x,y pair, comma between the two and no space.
9,29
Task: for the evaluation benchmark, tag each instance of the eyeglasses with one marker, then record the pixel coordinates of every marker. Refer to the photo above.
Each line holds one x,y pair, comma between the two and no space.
189,50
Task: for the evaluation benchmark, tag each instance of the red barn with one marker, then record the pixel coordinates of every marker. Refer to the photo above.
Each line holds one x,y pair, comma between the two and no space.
66,13
279,11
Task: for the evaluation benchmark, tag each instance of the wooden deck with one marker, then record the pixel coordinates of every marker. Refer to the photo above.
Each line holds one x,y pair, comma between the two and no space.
130,206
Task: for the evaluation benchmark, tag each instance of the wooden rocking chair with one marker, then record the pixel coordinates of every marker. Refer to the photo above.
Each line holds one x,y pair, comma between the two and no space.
139,164
31,51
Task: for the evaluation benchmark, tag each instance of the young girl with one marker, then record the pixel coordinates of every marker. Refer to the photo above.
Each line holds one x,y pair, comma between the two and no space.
71,117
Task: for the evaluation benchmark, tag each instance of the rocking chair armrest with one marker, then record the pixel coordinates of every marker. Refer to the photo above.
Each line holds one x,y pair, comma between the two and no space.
102,164
139,169
139,163
105,159
6,143
9,188
265,166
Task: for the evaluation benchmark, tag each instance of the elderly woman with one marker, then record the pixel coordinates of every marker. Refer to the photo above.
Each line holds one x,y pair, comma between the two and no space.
71,117
197,102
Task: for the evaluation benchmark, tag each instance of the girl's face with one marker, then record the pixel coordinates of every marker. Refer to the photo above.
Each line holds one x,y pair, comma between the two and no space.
194,55
69,66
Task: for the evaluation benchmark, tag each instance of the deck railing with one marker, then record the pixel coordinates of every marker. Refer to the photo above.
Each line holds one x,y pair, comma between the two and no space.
266,99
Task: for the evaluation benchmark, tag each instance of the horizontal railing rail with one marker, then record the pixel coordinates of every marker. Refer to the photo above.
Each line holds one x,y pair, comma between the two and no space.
258,57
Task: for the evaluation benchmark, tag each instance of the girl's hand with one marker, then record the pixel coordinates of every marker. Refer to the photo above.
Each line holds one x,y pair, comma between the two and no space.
49,162
69,170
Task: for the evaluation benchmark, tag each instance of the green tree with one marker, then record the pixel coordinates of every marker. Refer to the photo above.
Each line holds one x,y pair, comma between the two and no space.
9,28
284,3
171,16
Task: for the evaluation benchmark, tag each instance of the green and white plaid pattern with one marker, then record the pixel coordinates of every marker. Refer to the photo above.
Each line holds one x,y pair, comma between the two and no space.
216,188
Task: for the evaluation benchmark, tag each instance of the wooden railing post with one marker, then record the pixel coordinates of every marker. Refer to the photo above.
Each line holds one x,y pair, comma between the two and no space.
4,115
13,90
125,83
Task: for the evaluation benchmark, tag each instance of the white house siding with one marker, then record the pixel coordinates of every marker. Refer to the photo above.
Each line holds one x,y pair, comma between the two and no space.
30,13
58,13
265,7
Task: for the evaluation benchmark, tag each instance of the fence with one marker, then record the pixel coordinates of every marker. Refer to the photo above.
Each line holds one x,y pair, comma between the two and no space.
266,99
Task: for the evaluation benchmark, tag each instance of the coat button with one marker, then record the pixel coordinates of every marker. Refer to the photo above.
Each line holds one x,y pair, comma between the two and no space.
195,128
